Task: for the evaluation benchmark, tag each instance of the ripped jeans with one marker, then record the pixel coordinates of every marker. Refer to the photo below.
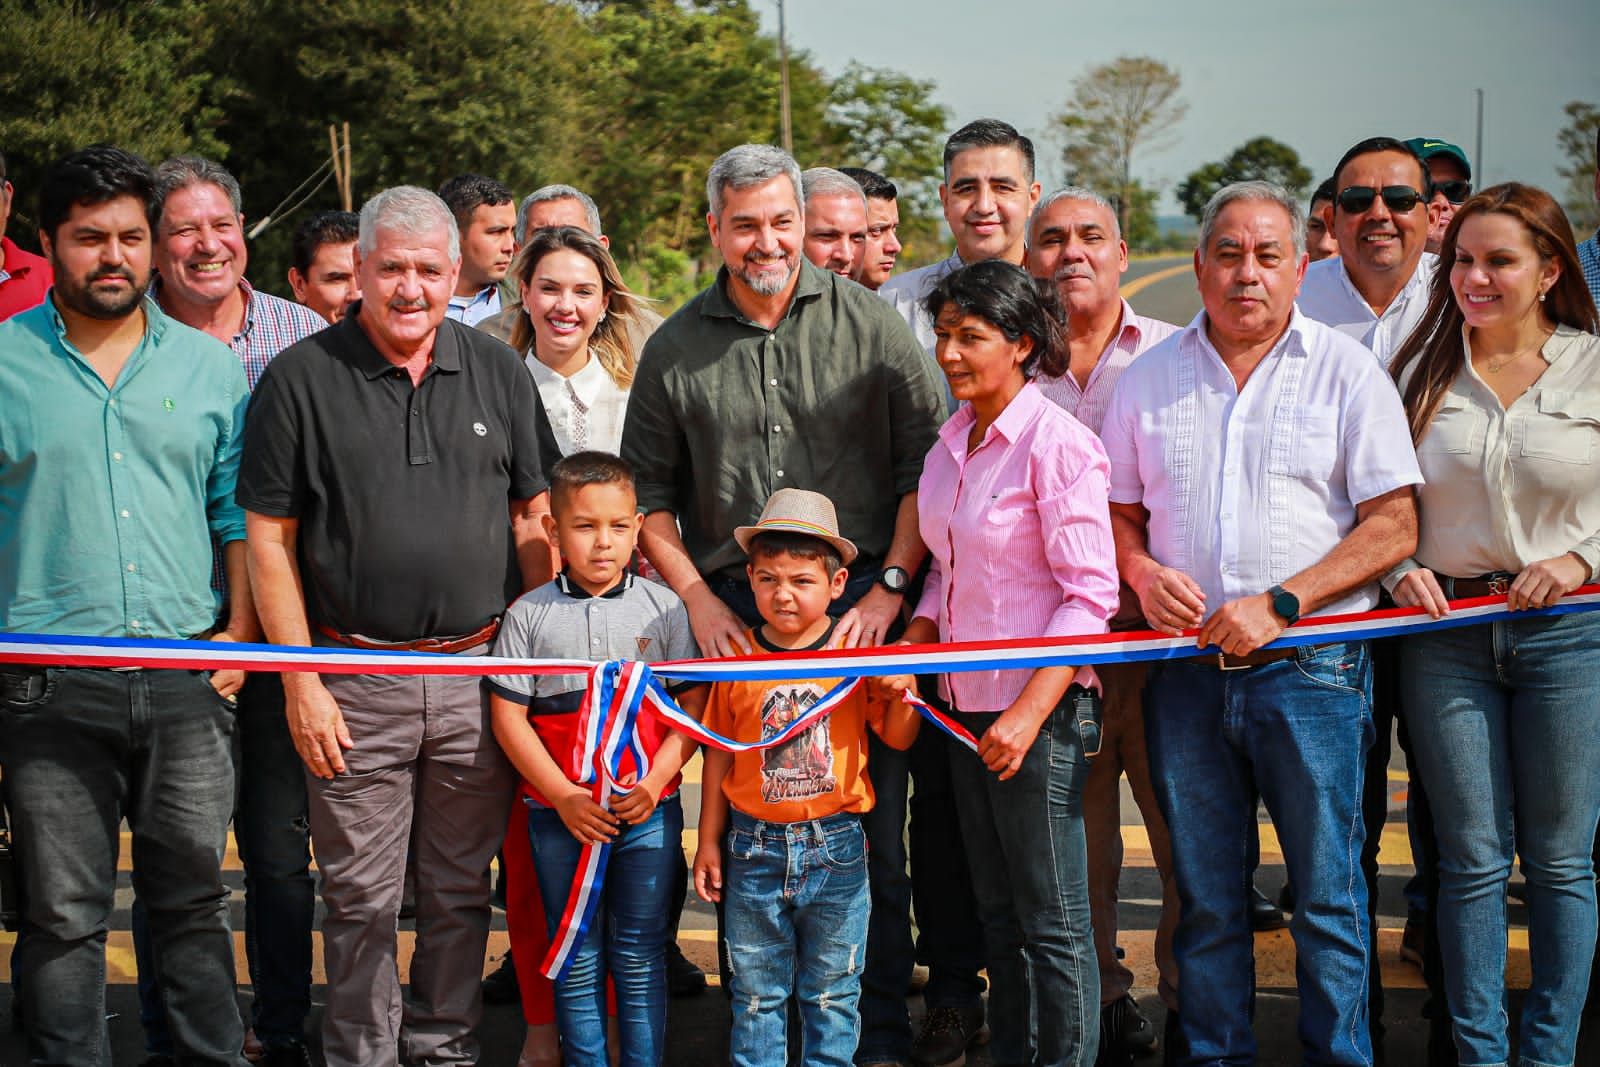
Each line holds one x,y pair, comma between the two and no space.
797,905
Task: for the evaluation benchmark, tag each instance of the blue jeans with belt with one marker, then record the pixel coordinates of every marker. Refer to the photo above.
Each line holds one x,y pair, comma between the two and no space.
1296,730
1505,724
796,901
1030,871
85,749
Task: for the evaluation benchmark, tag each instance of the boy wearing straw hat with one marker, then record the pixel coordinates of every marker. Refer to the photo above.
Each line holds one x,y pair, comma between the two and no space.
792,874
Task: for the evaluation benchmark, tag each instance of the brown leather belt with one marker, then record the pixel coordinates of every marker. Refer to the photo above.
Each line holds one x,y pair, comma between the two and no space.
1225,661
448,645
1484,585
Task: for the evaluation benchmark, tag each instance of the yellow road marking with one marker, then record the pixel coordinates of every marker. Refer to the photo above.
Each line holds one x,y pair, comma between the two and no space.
1139,285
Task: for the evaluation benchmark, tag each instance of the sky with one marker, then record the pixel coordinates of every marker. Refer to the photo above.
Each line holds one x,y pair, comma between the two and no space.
1316,76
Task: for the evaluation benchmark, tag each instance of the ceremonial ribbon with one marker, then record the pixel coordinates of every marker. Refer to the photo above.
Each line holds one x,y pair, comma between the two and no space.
619,692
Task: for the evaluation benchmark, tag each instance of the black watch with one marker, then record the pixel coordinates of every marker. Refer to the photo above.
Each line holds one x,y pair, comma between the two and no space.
1285,603
895,579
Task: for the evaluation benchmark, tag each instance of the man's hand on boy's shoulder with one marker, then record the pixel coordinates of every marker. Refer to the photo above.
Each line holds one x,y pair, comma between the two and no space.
583,818
708,871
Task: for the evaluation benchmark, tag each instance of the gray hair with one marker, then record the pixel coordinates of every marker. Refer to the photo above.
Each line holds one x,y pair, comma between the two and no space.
408,210
747,165
180,172
1269,192
825,181
1075,192
547,193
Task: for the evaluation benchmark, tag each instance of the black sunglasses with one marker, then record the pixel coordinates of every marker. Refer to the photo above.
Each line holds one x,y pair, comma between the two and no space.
1400,199
1455,192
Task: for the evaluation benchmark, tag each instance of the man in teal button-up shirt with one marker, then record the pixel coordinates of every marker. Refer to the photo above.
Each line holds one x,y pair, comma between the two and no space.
120,434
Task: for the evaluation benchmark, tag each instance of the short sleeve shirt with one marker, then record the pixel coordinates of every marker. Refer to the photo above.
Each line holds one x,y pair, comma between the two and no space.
635,620
1327,295
401,494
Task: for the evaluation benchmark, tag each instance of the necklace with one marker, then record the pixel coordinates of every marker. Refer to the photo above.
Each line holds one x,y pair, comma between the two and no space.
1495,366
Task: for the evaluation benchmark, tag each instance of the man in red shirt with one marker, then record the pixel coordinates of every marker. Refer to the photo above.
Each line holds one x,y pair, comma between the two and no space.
24,277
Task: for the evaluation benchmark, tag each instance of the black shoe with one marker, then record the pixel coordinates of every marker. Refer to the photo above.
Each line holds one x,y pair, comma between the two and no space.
1264,914
684,979
1122,1024
296,1055
1286,899
946,1035
501,986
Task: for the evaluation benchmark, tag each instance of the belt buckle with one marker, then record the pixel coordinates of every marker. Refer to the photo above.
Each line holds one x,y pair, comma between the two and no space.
1222,663
1500,585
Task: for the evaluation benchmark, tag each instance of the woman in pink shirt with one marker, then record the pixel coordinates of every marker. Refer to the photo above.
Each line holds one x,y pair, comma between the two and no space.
1014,509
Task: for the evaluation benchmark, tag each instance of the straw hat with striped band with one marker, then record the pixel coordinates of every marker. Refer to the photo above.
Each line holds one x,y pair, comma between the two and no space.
798,511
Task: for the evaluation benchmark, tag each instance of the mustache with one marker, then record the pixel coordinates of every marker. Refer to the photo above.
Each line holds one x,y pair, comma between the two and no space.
1073,271
399,304
111,272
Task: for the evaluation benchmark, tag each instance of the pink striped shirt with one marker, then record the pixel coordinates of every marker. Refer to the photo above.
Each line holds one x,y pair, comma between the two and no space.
1020,534
1089,402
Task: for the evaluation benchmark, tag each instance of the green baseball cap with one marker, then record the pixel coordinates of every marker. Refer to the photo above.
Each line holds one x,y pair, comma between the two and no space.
1427,148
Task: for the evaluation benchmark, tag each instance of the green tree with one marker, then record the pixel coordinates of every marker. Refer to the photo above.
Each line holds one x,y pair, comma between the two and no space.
76,73
1260,158
890,123
1577,143
1114,110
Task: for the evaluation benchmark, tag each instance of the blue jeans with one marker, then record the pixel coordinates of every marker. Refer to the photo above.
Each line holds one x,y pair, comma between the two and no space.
1030,871
796,901
1297,731
85,749
1505,722
627,940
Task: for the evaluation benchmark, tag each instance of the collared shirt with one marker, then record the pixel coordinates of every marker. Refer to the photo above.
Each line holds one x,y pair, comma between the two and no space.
905,293
1088,403
1327,295
585,410
1589,260
401,492
1507,487
634,619
838,399
1247,488
270,325
471,310
1020,538
109,496
24,279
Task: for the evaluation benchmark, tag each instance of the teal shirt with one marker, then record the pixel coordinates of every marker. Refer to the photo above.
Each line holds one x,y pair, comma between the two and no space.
109,496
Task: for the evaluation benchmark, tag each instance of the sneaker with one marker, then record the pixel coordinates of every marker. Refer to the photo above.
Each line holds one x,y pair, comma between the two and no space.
501,987
1411,942
1122,1024
684,979
296,1055
947,1034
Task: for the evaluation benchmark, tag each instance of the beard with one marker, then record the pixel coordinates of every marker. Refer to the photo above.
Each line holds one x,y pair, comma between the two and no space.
766,283
83,298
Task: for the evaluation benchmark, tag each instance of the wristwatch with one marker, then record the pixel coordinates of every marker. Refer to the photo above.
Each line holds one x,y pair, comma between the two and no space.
1285,603
895,579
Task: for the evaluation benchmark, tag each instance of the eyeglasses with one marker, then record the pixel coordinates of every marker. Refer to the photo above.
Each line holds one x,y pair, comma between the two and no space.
1455,192
1400,199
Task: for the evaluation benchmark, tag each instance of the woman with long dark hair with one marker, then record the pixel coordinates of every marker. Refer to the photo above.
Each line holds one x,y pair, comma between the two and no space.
1502,388
1013,506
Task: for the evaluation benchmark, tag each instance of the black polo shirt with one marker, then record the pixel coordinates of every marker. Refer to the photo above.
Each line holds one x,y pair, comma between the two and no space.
402,494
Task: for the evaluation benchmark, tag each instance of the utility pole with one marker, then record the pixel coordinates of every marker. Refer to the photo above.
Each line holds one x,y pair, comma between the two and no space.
1477,148
783,83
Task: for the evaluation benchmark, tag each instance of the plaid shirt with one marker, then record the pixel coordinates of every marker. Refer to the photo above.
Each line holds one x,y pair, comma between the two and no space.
1589,257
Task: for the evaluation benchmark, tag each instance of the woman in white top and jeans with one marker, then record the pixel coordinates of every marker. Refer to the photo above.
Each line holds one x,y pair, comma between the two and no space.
576,335
1502,386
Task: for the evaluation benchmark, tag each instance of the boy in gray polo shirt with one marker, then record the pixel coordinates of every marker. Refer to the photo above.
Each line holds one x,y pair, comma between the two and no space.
595,609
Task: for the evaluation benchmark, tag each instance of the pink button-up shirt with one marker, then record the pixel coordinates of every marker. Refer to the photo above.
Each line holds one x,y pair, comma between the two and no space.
1088,402
1020,534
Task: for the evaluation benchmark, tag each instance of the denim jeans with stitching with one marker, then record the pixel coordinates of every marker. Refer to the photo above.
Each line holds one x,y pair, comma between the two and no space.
1505,724
1296,730
797,907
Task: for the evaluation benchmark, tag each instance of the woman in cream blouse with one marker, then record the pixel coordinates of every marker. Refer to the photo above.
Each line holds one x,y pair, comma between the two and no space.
576,336
1502,385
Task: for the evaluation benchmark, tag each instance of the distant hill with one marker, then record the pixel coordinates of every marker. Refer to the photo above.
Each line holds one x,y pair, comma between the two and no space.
1176,225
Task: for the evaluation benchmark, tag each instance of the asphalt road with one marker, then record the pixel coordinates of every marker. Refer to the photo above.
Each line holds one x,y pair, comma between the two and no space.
1162,287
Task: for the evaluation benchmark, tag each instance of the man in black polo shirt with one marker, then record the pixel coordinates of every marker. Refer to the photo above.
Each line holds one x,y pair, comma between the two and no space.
394,482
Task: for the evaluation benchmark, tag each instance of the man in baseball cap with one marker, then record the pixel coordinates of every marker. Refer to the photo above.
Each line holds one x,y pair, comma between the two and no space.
1451,179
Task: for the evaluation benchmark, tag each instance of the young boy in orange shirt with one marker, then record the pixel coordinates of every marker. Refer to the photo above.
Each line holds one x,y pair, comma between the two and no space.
795,891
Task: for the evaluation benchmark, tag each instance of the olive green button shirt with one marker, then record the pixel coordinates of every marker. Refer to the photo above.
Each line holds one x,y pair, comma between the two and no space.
839,399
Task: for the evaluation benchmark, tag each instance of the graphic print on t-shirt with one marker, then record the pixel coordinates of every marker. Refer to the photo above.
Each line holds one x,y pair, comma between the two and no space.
801,767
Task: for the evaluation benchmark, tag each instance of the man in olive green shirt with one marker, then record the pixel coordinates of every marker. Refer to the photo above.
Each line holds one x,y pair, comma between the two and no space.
778,375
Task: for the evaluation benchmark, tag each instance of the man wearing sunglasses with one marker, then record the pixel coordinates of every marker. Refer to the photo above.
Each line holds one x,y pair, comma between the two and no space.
1452,182
1377,288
